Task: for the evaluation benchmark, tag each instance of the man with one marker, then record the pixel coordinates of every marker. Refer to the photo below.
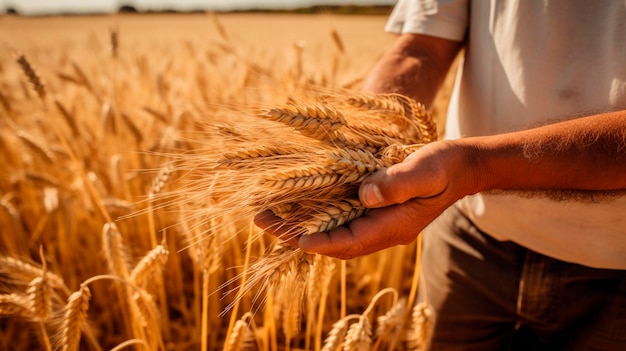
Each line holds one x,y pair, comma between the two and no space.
528,249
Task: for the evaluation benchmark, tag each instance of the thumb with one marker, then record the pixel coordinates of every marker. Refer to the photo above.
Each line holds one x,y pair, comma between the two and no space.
419,176
381,189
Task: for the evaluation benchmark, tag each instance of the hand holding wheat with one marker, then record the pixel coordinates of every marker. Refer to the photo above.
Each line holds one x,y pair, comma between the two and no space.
303,161
404,199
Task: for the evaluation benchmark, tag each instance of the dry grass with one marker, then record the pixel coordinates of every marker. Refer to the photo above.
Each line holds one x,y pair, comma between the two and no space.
135,157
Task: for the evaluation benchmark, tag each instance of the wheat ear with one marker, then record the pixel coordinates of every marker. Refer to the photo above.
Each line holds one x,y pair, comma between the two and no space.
149,266
359,336
32,76
337,40
417,338
391,323
16,305
74,319
114,250
39,292
114,41
25,272
37,147
241,335
335,337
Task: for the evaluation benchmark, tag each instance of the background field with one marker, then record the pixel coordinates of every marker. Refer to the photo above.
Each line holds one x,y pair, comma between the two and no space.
87,154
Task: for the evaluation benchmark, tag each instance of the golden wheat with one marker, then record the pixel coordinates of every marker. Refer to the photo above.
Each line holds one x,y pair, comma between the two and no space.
417,338
33,76
359,336
16,305
236,128
74,318
115,250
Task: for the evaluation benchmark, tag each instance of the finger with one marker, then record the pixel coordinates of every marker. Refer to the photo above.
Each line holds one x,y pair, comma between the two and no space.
274,225
416,177
379,229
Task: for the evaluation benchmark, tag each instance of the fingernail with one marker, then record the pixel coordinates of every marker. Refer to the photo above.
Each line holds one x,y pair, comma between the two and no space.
370,195
304,243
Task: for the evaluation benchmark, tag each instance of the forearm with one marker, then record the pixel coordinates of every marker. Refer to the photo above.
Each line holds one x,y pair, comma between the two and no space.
586,154
415,66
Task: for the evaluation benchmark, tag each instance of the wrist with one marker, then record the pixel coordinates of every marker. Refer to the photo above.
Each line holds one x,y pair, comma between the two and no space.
469,171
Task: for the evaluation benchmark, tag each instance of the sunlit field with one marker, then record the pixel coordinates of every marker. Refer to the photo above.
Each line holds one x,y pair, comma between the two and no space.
110,234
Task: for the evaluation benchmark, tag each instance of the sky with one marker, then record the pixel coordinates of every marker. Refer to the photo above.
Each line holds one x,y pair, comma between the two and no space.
39,7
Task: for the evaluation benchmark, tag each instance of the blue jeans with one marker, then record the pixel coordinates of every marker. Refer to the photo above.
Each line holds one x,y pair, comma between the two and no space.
493,295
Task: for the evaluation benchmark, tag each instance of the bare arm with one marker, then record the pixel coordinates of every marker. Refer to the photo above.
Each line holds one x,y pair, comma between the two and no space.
415,66
582,154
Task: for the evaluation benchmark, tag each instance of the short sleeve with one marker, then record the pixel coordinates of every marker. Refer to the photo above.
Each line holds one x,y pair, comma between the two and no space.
446,19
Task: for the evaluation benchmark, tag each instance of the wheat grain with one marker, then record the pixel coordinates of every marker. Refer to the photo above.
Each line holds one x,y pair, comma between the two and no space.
319,280
16,305
218,26
44,179
291,296
32,76
327,217
39,292
85,81
209,252
25,272
335,337
149,265
337,40
422,321
74,318
118,207
68,117
239,337
114,250
4,101
390,324
132,127
114,41
141,305
159,182
36,146
359,336
318,122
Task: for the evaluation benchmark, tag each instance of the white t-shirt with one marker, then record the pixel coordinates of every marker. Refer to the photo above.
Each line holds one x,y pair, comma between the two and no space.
529,62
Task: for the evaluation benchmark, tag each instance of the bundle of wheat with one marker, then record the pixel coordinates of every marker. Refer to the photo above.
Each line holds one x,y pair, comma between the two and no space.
303,161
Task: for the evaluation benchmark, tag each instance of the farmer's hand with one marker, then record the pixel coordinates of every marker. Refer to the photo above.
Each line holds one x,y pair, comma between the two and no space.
404,199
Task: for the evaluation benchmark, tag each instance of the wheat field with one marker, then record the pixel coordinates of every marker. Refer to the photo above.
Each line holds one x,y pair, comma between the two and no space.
113,233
